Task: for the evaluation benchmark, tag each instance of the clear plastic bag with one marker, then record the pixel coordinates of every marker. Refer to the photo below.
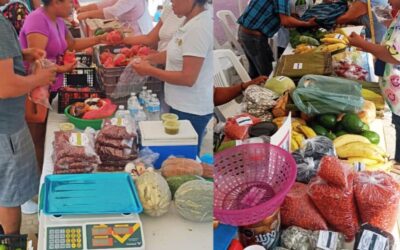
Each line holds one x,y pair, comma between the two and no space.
327,95
119,128
129,81
309,156
258,100
298,210
383,13
377,195
352,65
237,127
40,95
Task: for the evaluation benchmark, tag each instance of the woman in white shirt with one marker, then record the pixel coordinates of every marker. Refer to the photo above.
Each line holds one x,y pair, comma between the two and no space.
162,33
188,60
132,12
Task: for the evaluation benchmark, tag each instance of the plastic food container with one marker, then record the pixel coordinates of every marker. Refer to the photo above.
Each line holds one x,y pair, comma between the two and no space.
169,117
66,126
83,123
171,127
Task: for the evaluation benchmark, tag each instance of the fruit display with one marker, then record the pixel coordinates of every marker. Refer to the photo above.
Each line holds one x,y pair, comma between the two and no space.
125,55
304,48
307,37
280,84
69,57
114,37
371,96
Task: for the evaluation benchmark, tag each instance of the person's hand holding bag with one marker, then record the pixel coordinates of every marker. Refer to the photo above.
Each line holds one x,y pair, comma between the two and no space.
141,66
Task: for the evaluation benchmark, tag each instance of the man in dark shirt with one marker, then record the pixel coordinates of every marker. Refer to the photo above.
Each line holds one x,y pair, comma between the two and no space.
260,21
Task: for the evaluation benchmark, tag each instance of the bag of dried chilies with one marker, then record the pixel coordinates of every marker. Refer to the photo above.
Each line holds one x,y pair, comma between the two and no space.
377,195
298,210
335,202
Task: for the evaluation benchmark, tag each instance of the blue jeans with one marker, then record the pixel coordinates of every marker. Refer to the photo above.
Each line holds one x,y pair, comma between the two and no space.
258,53
199,123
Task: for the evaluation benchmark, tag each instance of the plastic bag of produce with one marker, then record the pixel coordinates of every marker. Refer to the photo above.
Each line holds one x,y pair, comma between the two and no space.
40,95
296,238
337,205
129,81
352,65
119,128
309,156
377,195
327,95
298,210
324,240
334,171
373,238
237,127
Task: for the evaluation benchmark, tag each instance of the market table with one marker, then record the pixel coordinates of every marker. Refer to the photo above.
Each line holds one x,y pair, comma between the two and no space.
170,232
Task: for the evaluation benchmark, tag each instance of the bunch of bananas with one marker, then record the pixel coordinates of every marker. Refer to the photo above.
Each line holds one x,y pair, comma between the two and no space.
300,132
304,48
356,148
373,97
333,42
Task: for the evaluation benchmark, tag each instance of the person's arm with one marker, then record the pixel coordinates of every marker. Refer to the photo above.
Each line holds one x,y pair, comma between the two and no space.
186,77
151,39
83,43
91,15
39,41
290,22
158,58
224,95
86,8
13,85
381,52
356,10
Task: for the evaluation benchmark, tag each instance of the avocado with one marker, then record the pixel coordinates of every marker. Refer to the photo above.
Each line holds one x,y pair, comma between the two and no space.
319,130
327,121
352,123
372,136
331,135
340,133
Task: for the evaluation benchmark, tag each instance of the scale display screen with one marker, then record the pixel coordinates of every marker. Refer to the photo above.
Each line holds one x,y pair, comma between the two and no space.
109,236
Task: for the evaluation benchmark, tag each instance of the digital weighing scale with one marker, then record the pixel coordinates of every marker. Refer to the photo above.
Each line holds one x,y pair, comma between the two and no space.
90,211
84,232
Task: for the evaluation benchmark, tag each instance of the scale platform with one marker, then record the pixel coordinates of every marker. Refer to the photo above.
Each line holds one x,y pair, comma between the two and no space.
90,211
87,232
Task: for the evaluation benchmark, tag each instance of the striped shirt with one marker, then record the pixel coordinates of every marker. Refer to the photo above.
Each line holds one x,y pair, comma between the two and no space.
263,15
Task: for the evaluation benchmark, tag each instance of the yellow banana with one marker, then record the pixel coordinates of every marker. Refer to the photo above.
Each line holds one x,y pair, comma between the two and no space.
279,121
299,138
341,31
366,161
379,150
359,149
333,41
307,131
380,166
373,97
293,145
333,47
295,125
349,138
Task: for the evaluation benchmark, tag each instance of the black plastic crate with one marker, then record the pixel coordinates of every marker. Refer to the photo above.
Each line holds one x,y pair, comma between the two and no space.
78,86
75,32
14,242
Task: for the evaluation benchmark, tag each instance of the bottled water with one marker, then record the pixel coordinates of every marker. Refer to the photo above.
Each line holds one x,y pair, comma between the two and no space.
133,105
141,116
142,95
154,108
121,112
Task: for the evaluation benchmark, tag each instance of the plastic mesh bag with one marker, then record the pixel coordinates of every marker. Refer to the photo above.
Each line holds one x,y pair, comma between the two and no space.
309,156
129,81
40,95
298,210
377,195
322,95
337,205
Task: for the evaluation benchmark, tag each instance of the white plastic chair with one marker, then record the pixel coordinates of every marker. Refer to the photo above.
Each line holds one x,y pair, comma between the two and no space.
230,26
242,4
233,107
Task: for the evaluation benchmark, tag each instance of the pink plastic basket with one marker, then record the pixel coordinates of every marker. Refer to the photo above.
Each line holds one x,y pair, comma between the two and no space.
251,182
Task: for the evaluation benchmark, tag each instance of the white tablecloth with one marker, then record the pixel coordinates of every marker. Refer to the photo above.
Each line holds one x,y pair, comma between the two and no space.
169,232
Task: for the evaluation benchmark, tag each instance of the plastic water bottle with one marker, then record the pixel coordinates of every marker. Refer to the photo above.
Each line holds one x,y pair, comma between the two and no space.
141,116
154,108
142,95
147,101
121,112
133,105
